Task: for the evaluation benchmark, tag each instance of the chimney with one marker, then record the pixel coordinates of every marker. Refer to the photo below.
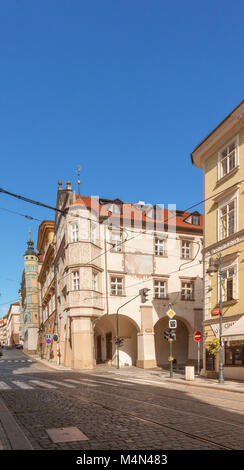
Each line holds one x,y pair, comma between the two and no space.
68,186
59,185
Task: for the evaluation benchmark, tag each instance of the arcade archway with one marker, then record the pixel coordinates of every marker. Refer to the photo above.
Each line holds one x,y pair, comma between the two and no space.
105,332
180,346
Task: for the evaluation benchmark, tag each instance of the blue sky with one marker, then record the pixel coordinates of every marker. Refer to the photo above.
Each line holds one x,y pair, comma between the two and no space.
126,89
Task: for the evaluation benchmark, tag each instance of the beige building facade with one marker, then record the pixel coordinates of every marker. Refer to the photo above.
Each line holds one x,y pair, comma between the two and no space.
29,300
221,157
47,348
107,251
13,325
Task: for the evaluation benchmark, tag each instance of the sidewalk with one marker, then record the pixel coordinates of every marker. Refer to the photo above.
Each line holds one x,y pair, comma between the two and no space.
156,375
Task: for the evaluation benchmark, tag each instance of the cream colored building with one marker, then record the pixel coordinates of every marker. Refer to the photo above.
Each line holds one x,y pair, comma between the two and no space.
221,157
3,330
47,297
13,325
106,252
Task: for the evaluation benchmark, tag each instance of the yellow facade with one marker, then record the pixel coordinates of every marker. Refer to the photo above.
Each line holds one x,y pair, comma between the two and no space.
221,156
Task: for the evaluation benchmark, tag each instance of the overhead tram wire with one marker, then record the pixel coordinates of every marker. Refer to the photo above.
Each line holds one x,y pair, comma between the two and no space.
64,212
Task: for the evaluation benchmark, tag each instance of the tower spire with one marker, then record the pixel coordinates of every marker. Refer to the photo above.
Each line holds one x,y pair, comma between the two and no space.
78,181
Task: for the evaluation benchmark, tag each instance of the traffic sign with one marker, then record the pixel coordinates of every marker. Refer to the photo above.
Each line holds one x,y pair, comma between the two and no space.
215,311
170,313
172,324
197,335
48,341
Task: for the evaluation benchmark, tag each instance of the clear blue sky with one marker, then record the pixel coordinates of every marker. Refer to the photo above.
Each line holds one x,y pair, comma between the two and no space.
126,89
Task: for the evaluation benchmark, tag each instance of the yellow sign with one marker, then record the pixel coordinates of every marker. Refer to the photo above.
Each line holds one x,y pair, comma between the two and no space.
170,313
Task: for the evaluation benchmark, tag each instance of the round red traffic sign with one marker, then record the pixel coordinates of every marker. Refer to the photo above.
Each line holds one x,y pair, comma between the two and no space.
197,335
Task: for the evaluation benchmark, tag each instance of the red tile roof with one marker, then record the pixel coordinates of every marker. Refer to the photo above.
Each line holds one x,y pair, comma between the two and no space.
131,211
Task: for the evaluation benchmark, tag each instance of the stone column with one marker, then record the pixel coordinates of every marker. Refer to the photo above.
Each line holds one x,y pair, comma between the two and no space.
82,342
146,357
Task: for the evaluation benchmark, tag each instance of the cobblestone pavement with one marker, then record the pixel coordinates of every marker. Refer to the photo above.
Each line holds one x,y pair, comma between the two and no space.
117,411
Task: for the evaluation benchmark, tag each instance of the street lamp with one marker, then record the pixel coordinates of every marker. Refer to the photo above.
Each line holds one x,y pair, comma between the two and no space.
212,269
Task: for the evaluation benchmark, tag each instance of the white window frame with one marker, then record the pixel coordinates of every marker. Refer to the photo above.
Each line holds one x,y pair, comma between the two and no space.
186,250
74,230
95,280
116,285
75,280
93,231
117,240
159,246
222,205
231,272
160,288
187,290
235,140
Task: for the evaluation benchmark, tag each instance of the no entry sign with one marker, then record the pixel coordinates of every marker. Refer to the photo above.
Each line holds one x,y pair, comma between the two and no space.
197,335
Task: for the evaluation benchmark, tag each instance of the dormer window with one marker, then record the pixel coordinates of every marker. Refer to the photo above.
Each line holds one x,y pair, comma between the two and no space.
195,220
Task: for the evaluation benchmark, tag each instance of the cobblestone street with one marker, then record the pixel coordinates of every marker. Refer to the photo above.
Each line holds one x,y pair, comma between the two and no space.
117,412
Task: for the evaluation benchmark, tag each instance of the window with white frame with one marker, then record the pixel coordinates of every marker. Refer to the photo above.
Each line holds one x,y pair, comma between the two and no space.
160,289
187,290
185,249
94,281
227,219
75,280
228,284
116,240
74,232
159,247
93,232
228,158
116,285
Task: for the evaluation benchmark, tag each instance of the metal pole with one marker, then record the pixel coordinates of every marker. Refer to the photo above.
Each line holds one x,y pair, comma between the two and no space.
117,334
170,355
221,371
198,357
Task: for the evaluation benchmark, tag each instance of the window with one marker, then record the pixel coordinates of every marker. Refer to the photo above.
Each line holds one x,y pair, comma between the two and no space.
94,281
30,268
160,289
159,247
185,249
187,290
195,220
227,220
234,353
29,299
228,159
116,285
227,281
93,232
75,280
116,239
74,232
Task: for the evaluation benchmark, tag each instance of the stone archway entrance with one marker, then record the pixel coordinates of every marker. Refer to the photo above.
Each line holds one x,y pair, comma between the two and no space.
180,346
104,340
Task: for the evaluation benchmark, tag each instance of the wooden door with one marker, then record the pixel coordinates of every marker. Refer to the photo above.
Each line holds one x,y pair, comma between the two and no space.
109,346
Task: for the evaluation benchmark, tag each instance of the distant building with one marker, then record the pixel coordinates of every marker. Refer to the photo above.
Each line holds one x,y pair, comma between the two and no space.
46,279
29,299
3,330
13,325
